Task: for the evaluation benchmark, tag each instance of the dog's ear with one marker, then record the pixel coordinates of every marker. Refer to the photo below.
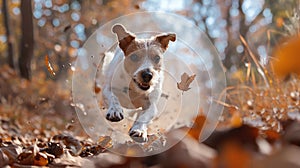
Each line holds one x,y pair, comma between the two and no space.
164,39
125,37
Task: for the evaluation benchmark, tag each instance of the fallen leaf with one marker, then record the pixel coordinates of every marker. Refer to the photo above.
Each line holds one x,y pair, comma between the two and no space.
8,154
236,119
40,159
234,155
92,150
244,134
67,28
279,22
4,160
185,82
55,149
105,142
199,121
32,156
68,160
271,135
71,143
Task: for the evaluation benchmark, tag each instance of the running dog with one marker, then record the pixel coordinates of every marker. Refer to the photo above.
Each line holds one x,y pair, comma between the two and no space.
141,73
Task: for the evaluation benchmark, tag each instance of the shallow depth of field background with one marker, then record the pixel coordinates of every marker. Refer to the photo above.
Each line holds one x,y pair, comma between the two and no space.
258,42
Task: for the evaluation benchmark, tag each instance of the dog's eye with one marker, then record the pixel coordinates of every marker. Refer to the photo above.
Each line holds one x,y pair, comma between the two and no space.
134,57
156,59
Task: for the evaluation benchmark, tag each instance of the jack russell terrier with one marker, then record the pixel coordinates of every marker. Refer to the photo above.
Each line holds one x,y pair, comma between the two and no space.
141,72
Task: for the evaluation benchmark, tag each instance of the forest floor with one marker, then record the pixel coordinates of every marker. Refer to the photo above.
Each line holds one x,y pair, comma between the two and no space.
39,127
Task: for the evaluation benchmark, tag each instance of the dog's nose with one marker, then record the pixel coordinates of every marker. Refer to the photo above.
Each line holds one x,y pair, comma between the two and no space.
147,75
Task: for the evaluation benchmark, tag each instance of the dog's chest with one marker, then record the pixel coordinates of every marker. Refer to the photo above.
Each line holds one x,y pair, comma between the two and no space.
120,85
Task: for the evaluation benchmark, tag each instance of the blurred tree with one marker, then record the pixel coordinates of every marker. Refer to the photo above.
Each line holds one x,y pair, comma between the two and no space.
224,21
10,53
62,27
27,41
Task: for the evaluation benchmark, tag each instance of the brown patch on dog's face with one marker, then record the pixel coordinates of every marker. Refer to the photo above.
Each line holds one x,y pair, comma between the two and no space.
128,42
164,39
125,37
150,51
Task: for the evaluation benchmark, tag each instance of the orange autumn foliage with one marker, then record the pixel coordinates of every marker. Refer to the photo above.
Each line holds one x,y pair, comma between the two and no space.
279,22
236,120
233,155
271,135
286,57
198,125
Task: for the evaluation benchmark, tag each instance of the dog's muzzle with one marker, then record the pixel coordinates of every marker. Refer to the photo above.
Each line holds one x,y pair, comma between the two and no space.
141,85
147,76
144,79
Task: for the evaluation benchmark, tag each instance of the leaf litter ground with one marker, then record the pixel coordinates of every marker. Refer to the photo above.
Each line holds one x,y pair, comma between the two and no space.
39,128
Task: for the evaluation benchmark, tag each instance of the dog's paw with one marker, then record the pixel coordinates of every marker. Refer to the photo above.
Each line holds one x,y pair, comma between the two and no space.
138,135
115,114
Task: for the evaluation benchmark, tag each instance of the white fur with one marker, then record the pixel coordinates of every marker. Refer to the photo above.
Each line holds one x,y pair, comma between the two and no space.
115,96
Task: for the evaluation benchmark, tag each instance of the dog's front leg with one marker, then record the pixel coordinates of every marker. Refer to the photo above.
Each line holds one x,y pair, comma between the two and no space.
115,111
138,131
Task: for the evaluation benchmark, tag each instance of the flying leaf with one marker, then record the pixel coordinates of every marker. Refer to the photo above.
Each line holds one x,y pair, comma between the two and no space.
67,28
185,82
49,66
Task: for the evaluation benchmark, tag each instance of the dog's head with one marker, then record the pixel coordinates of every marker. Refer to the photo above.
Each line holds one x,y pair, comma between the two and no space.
143,57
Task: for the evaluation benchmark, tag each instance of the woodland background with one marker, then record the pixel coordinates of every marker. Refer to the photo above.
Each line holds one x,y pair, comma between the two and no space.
258,44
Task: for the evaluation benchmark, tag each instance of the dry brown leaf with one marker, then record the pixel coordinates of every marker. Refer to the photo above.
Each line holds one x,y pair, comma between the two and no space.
271,135
40,159
8,154
49,66
55,149
199,121
185,82
105,142
236,119
32,156
67,160
4,160
72,143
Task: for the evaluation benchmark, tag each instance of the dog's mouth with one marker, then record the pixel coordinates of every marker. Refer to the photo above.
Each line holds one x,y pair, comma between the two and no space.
141,85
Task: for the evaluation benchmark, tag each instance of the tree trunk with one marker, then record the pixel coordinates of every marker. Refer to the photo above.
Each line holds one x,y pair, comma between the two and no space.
27,42
10,54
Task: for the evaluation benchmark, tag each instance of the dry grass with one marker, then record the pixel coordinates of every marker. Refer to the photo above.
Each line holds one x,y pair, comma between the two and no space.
262,99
